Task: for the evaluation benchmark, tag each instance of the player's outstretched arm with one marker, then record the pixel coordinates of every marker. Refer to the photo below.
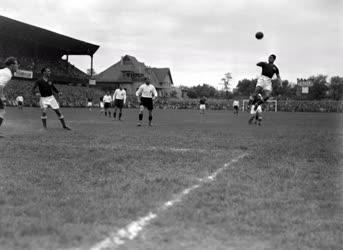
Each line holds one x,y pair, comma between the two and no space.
261,64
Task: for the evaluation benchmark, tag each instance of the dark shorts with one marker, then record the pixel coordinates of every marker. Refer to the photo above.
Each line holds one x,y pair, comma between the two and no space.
20,103
119,103
107,105
147,102
235,107
2,106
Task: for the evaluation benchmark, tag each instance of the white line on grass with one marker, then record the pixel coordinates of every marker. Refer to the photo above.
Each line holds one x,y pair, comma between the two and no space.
132,230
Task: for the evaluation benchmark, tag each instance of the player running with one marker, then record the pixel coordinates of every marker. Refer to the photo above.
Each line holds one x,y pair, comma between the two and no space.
264,83
46,89
11,66
145,96
119,98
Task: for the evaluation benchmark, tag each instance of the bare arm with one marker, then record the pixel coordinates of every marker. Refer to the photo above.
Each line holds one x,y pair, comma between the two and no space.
154,94
138,93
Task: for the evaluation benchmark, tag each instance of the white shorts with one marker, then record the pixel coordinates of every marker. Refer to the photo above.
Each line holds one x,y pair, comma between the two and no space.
202,106
264,82
102,105
89,104
253,111
45,102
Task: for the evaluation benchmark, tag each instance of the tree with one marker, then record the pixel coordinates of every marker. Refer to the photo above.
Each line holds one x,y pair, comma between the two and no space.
336,88
246,87
226,82
319,88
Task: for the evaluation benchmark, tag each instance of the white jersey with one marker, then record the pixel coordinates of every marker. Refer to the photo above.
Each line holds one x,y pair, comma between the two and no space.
235,103
147,91
119,95
5,77
107,98
20,99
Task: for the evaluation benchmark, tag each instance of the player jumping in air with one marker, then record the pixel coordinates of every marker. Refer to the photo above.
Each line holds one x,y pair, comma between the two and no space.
264,83
145,96
11,66
119,98
46,89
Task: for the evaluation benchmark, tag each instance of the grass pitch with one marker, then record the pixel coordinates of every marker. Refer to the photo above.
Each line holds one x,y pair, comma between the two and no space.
71,189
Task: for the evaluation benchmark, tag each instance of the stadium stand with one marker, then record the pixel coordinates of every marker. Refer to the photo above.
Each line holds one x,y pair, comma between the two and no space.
36,48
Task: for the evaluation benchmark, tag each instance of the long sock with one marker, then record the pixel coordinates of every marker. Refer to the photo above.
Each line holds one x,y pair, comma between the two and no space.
140,117
150,118
109,113
115,114
44,121
1,120
63,122
105,113
119,115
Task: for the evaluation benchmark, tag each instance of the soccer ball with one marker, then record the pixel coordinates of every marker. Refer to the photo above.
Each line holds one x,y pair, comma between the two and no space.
259,35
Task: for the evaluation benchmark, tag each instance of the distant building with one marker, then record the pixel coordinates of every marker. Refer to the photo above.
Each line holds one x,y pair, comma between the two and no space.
129,72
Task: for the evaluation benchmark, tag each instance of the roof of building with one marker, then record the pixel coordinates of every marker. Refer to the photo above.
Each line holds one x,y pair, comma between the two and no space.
23,31
115,73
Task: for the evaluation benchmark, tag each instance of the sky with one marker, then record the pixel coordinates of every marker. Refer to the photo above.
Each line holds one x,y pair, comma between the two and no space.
199,40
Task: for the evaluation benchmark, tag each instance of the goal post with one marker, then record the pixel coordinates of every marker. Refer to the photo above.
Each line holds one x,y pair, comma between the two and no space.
271,105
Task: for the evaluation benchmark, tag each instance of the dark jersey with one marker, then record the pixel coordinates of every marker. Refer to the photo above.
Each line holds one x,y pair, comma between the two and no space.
202,101
268,69
89,99
46,88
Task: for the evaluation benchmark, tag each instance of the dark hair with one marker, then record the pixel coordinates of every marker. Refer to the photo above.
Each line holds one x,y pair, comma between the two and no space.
274,56
10,60
44,69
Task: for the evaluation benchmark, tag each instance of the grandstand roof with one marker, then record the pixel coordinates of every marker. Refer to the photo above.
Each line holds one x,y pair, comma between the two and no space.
30,33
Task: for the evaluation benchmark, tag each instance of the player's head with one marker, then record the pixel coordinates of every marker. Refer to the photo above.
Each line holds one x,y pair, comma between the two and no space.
271,58
147,80
12,64
107,92
46,72
120,87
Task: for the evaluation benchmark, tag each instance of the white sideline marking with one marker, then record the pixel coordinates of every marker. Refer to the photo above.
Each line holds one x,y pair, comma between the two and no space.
132,230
